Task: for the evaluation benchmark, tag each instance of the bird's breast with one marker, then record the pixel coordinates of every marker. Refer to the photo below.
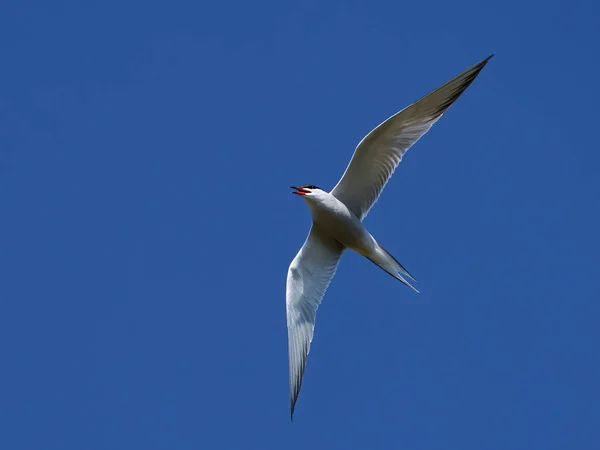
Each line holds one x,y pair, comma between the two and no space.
340,223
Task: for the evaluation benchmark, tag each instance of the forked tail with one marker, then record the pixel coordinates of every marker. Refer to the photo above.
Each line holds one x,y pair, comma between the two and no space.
387,262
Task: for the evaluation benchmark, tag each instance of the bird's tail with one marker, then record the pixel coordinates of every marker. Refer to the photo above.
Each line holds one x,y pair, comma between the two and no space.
387,262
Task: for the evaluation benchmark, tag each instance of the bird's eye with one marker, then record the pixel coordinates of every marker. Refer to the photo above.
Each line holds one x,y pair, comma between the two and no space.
310,186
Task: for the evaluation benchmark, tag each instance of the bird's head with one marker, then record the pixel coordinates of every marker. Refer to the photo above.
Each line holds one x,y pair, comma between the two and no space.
307,191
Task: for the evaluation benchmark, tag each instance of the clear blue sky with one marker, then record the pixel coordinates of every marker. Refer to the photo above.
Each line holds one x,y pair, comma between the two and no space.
146,225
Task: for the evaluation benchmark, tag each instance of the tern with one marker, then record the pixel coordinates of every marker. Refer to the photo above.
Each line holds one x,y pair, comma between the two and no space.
337,216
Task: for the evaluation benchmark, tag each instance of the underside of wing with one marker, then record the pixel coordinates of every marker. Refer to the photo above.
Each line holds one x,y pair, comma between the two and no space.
308,278
379,153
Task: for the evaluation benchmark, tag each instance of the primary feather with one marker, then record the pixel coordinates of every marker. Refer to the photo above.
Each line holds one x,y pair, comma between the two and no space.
379,153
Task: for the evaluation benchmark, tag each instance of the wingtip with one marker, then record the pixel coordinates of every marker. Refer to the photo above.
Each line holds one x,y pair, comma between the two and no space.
485,61
293,399
480,65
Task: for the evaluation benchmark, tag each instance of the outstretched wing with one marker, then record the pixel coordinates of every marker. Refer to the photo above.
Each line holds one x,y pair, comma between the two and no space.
379,153
308,277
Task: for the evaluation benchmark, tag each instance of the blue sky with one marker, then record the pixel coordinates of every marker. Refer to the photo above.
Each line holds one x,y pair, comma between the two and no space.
146,151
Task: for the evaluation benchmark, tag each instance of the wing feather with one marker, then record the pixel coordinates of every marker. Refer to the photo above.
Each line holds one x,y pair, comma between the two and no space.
379,153
308,278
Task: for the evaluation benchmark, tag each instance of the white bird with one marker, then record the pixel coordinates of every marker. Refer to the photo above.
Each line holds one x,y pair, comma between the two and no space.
337,216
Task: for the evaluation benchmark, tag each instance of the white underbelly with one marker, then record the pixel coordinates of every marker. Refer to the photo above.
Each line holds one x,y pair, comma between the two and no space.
348,231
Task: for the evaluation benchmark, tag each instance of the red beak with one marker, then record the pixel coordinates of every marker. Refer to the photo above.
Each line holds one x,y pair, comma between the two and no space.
300,191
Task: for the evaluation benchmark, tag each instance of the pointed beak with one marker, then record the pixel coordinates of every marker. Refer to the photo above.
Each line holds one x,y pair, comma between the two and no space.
299,190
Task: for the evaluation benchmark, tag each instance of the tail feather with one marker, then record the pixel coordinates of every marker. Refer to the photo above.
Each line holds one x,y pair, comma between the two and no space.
400,266
387,262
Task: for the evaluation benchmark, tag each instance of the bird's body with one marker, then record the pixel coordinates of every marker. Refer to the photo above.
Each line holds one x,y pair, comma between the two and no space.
333,218
338,216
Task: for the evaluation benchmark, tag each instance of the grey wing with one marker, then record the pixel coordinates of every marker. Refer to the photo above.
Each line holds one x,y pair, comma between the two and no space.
308,278
379,153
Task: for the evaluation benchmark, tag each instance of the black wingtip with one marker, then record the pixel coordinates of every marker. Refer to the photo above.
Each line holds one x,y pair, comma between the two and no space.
293,400
480,65
485,61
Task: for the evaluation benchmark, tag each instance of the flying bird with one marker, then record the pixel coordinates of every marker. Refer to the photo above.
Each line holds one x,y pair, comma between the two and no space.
337,216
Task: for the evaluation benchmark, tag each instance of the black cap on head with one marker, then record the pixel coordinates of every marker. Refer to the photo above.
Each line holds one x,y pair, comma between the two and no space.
310,186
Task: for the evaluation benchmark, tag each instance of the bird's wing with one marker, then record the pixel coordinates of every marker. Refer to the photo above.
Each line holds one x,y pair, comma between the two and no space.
308,277
379,153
